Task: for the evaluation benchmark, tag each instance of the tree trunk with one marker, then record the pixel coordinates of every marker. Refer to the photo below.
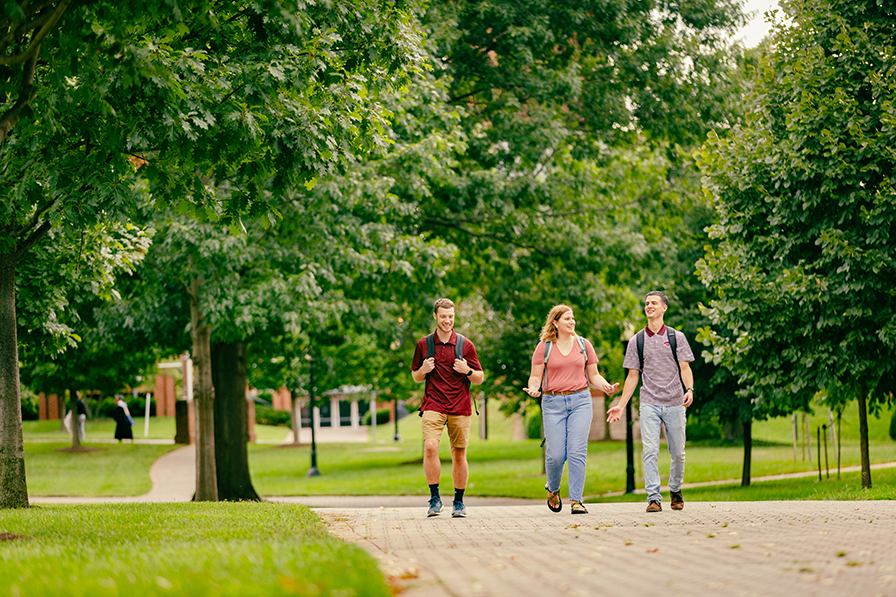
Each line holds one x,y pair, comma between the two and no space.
76,418
204,400
13,489
863,438
295,417
748,453
231,422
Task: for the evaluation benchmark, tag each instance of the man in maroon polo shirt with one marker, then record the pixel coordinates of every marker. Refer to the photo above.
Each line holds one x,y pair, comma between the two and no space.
446,403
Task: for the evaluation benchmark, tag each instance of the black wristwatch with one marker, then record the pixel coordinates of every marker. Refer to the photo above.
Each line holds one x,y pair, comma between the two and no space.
470,372
688,390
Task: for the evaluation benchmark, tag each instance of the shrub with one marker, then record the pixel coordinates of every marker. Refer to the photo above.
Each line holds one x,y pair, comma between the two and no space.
382,416
893,426
30,405
137,406
703,429
267,415
533,424
105,407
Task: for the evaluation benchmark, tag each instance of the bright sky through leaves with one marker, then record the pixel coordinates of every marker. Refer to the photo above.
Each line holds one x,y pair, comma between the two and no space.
753,33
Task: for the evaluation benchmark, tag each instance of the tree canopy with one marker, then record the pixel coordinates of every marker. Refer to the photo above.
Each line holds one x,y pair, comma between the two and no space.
806,252
261,96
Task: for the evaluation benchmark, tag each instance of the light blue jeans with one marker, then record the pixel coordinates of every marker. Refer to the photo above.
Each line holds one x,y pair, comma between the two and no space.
674,419
567,422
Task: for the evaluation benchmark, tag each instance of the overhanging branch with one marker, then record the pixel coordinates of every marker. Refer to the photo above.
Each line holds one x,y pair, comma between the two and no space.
38,37
35,236
12,116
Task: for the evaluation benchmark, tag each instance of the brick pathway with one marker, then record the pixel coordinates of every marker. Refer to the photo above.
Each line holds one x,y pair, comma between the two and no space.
725,548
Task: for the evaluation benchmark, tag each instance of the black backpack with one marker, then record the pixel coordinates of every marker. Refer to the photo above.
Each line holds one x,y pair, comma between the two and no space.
673,345
458,354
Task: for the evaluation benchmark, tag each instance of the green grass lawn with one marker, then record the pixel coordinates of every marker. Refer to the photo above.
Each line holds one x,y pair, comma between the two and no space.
228,549
498,466
848,487
112,469
159,428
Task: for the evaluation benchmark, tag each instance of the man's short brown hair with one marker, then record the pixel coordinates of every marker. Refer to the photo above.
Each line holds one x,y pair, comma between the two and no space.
442,303
660,294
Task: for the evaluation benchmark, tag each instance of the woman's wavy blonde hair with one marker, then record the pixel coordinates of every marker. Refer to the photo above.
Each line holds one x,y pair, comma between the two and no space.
549,331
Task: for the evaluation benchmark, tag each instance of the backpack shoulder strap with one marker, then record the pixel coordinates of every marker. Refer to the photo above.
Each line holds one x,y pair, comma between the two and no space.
639,342
673,344
430,346
459,354
583,348
547,352
459,347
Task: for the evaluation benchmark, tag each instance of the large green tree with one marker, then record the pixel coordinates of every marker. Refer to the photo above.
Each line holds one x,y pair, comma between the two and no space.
265,95
324,281
806,258
566,174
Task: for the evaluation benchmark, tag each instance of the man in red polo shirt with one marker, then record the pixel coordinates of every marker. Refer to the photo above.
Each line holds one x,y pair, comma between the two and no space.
446,403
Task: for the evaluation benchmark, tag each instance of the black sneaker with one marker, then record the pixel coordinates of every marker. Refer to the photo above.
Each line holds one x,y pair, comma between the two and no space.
677,501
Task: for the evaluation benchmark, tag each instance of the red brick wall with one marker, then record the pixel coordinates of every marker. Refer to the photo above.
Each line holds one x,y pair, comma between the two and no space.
49,407
165,396
282,400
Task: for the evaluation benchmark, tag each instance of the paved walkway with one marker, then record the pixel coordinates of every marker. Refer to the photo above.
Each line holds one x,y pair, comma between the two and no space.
783,549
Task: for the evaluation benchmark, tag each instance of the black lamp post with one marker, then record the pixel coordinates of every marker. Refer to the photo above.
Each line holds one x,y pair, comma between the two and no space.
313,471
629,441
629,449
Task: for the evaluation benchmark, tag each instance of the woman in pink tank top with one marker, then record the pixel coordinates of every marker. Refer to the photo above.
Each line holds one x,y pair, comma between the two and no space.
563,365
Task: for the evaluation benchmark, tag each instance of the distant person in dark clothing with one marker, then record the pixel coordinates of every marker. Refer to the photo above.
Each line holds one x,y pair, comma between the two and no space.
123,421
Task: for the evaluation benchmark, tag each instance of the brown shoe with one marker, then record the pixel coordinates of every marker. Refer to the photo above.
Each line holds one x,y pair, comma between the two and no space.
654,506
677,501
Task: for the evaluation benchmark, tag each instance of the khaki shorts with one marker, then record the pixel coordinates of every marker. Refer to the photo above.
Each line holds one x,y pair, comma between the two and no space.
458,427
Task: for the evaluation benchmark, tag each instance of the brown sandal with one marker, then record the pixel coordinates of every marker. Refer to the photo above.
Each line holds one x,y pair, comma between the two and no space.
577,507
559,504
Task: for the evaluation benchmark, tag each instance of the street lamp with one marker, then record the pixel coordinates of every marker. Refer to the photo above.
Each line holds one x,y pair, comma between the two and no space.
629,449
313,471
629,441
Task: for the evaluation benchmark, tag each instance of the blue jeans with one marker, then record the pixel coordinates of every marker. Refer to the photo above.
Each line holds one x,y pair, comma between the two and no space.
673,418
567,422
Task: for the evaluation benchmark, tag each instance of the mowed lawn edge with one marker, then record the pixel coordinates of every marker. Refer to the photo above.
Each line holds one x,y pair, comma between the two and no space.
230,549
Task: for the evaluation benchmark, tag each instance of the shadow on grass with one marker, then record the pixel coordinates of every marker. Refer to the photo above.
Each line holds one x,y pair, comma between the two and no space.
734,443
79,450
